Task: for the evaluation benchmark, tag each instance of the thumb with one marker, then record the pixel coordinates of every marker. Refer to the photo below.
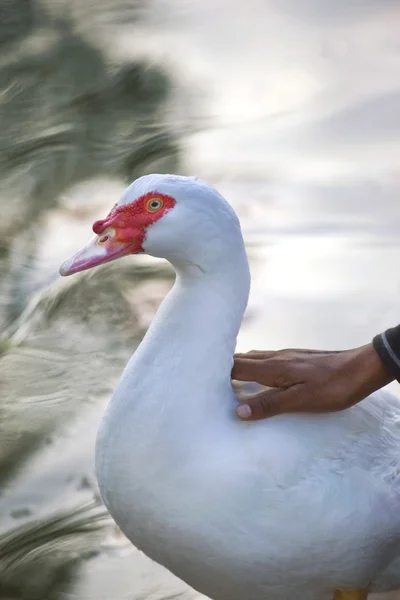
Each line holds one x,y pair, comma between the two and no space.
270,403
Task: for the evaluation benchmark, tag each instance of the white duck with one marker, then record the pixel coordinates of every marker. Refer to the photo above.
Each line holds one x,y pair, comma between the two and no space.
297,506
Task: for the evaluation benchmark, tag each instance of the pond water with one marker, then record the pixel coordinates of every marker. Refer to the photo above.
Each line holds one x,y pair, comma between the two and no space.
290,109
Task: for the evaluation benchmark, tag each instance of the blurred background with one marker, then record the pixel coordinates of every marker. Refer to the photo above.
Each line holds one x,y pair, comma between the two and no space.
290,108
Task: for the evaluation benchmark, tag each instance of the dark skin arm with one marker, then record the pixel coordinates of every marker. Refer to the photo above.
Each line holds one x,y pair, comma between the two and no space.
308,380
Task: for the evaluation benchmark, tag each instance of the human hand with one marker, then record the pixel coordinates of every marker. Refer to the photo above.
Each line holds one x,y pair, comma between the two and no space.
308,380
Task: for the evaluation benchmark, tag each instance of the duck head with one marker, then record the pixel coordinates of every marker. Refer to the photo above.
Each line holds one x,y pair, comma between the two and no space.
181,219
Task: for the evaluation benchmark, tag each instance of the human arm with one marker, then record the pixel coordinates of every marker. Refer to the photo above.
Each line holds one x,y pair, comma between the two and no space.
317,381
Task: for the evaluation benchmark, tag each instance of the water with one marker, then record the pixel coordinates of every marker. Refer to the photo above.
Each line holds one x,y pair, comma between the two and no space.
290,108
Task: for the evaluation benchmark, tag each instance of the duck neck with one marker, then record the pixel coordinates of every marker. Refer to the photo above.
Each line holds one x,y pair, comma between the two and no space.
193,336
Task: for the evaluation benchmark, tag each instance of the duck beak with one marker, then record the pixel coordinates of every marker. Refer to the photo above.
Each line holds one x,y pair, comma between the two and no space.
100,250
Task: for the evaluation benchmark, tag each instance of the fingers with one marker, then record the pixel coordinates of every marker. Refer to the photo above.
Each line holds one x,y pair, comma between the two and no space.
256,354
271,403
288,352
309,381
262,371
272,372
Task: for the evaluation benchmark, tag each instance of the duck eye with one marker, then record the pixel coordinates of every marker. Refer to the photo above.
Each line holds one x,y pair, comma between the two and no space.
104,239
154,204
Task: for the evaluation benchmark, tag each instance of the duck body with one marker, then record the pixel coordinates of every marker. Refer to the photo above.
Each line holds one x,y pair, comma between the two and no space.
234,508
295,506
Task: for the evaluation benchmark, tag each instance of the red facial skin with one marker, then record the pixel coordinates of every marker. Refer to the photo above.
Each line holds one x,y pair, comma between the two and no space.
131,220
127,227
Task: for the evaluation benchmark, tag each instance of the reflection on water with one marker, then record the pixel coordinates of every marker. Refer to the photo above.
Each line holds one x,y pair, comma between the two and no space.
39,558
289,108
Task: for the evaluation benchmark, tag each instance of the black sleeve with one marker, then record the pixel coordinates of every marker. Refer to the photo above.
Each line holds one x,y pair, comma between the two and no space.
387,346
